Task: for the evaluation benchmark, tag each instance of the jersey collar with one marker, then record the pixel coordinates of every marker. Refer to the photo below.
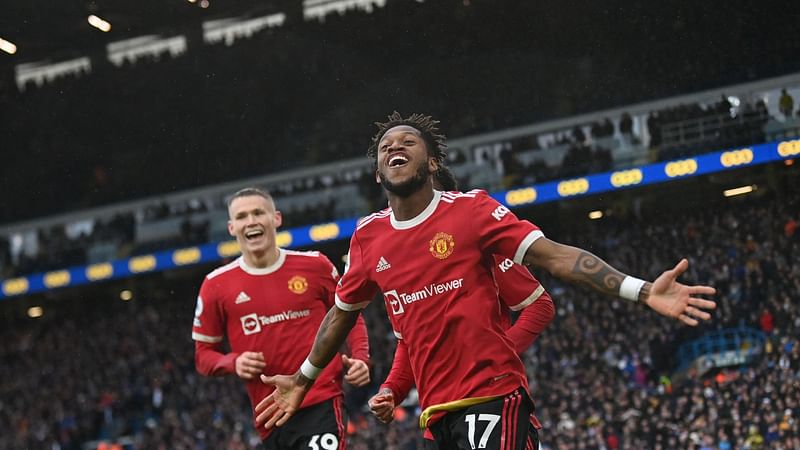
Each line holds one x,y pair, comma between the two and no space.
427,212
264,270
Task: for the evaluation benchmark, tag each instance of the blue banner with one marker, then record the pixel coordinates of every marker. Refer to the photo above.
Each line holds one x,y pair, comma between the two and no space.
342,229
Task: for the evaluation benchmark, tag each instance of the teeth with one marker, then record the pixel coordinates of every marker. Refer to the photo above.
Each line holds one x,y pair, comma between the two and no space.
253,233
397,159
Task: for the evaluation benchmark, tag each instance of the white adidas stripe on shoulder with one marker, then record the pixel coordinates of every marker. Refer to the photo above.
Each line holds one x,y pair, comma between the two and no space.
222,269
450,197
381,213
456,194
373,216
313,253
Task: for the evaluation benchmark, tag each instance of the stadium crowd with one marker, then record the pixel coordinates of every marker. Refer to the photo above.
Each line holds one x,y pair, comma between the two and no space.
602,375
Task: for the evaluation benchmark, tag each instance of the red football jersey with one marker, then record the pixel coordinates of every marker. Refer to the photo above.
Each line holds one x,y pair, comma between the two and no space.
435,274
515,286
275,310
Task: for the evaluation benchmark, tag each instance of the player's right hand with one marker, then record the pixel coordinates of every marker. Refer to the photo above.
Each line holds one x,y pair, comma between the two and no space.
679,301
285,400
250,365
382,405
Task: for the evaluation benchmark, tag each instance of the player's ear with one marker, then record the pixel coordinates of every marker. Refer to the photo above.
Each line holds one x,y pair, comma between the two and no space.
433,165
230,229
278,220
377,177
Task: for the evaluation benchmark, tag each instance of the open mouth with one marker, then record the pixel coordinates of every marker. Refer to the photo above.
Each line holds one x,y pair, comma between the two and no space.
253,234
398,161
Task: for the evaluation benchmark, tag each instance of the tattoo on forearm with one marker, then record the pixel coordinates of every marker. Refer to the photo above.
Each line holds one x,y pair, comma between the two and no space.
321,350
596,274
332,333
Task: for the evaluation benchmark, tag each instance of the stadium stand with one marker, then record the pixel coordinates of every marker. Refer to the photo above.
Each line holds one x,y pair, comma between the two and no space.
604,375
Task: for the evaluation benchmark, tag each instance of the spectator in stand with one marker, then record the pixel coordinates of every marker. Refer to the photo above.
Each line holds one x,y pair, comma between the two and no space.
790,227
786,104
626,124
767,321
654,128
511,167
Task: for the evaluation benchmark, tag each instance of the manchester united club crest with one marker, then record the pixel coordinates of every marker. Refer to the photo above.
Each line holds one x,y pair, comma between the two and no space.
298,284
442,245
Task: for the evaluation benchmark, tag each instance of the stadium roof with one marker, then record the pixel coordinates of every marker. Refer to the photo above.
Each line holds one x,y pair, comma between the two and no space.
42,29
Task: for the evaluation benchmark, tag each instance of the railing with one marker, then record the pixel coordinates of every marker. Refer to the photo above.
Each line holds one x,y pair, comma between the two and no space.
711,127
728,347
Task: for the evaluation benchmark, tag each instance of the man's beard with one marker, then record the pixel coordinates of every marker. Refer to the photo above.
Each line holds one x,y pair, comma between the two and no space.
409,186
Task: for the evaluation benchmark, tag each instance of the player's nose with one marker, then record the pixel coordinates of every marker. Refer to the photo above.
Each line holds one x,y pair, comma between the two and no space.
396,144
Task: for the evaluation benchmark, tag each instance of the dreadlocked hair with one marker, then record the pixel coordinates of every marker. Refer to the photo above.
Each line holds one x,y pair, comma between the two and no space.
426,125
444,179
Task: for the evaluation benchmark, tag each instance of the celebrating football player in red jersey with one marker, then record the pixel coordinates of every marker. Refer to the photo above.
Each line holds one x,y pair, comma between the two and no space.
430,255
270,303
516,286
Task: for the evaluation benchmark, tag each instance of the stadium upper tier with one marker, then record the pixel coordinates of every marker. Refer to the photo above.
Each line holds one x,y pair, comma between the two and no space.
306,93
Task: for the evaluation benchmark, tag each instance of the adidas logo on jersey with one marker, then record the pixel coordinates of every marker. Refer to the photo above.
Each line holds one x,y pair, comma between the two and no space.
242,298
382,265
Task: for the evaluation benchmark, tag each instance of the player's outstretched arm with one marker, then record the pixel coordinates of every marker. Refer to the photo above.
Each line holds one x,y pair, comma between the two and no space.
665,295
290,390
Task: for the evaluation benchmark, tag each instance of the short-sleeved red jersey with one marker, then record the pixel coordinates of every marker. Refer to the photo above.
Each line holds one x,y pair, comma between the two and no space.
275,310
435,274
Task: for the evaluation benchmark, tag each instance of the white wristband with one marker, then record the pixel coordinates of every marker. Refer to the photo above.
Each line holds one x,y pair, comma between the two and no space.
630,288
309,370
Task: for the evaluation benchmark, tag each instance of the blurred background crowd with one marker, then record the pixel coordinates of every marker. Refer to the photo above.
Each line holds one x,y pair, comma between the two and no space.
604,375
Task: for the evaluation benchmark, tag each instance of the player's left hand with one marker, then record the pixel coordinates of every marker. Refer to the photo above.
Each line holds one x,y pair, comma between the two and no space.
357,371
280,406
676,300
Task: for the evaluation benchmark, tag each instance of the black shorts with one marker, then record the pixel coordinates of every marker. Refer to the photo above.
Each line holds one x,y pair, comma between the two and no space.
317,427
506,423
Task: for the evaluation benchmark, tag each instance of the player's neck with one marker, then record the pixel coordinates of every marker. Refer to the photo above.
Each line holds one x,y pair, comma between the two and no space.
261,260
406,208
